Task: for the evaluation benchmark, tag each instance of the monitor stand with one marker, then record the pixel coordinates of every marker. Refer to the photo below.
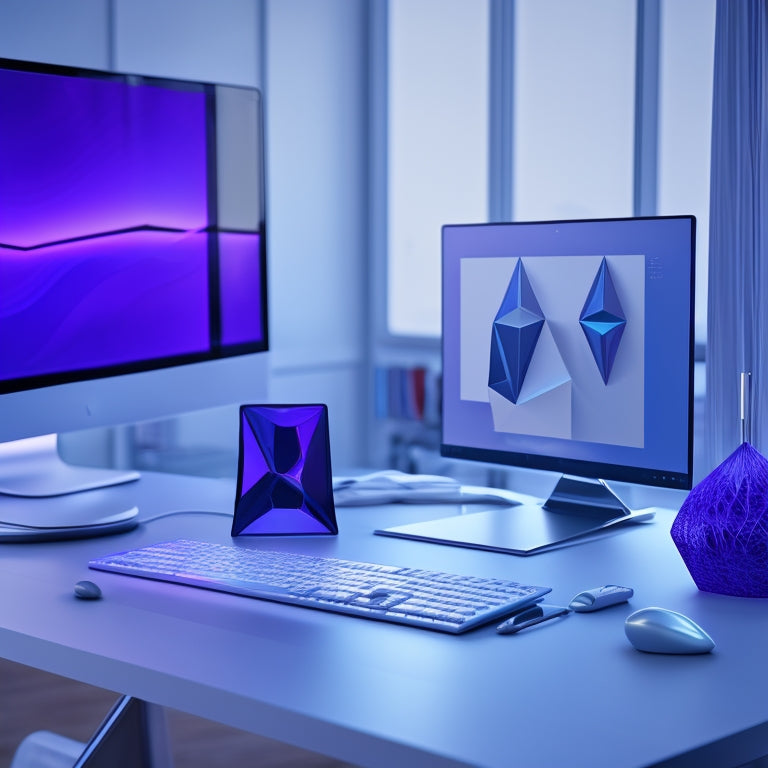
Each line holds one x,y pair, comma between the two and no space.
44,498
576,507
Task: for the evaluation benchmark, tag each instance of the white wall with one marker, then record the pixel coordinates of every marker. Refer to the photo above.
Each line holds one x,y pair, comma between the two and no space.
312,68
74,32
215,40
317,97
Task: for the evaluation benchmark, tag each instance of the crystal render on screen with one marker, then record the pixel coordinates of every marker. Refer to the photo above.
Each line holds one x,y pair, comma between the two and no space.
603,321
516,329
284,481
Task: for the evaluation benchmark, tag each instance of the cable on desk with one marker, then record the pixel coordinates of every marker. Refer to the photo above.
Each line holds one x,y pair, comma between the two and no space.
186,512
21,526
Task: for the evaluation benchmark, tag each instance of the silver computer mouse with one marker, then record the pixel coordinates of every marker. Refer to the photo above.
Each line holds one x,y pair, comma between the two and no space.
658,630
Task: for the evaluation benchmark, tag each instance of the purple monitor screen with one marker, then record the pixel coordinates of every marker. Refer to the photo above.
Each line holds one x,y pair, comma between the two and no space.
131,224
568,346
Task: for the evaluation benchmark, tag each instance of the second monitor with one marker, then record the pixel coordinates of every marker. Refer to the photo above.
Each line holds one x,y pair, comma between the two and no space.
567,346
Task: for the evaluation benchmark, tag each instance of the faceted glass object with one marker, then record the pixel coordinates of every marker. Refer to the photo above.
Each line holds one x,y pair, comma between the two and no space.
603,321
516,329
284,479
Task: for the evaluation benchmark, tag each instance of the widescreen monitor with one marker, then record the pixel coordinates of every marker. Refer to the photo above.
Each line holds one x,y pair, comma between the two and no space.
568,346
132,248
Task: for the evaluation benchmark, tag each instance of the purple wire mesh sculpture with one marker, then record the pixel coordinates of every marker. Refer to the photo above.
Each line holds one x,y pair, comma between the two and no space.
284,480
721,530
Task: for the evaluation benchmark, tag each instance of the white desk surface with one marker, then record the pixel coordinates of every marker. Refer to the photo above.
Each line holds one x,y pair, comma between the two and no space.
572,692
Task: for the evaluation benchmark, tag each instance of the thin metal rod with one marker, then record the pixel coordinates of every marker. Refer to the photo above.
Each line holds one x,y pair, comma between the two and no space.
745,406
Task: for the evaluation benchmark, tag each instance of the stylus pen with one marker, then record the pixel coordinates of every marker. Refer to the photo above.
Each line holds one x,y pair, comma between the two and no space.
530,617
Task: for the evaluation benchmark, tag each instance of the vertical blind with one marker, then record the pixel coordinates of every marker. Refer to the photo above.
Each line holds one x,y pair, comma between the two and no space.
737,327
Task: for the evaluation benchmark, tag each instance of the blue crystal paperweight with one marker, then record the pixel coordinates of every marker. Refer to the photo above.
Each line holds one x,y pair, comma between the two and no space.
284,479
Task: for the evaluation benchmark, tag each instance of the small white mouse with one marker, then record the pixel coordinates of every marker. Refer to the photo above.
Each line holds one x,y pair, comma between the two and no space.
658,630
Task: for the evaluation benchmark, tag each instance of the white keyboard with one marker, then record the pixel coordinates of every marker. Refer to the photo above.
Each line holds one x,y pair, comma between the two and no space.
429,599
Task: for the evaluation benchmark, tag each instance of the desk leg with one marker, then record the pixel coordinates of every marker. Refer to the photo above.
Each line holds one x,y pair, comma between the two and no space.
133,735
158,741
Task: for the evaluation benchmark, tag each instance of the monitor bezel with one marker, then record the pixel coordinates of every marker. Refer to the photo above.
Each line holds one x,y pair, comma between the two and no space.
652,476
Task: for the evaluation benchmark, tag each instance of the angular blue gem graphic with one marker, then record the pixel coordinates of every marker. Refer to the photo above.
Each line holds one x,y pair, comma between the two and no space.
284,483
516,329
603,321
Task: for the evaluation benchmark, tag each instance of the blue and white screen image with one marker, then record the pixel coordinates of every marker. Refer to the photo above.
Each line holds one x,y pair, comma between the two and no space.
567,346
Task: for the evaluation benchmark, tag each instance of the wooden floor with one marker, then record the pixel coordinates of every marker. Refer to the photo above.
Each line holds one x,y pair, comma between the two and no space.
31,700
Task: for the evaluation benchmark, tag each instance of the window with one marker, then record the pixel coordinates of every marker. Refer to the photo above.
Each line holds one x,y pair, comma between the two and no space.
573,107
571,143
437,146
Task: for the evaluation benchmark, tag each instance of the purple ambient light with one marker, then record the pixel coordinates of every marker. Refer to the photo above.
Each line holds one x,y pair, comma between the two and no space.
84,156
240,286
103,301
112,259
721,530
284,483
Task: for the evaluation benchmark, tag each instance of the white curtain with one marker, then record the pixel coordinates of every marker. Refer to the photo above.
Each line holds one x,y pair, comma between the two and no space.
737,324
